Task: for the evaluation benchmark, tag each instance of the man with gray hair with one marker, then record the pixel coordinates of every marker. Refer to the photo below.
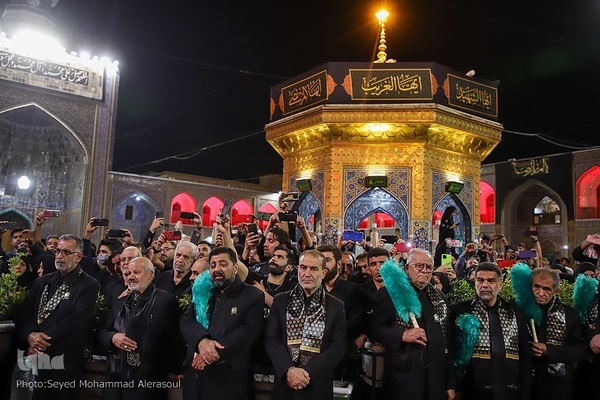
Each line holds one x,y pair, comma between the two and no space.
142,337
560,343
177,280
418,364
55,319
306,334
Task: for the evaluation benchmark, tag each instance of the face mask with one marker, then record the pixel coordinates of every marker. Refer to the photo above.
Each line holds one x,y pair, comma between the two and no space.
102,258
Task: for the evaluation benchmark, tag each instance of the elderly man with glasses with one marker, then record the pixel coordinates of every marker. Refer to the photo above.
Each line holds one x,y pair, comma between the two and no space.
418,365
55,321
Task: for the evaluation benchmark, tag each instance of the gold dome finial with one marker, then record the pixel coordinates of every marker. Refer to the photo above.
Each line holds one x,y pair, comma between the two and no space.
382,16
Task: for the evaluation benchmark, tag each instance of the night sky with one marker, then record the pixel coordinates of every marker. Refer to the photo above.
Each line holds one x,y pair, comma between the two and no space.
195,74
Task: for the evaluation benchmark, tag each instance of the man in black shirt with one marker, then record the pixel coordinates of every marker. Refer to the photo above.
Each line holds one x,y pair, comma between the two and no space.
280,264
354,304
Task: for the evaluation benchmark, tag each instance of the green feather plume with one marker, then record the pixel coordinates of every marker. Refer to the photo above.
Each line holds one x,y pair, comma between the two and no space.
466,337
520,277
402,293
201,292
583,294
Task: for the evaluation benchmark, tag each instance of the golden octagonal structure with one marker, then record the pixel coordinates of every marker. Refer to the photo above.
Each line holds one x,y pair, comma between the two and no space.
405,128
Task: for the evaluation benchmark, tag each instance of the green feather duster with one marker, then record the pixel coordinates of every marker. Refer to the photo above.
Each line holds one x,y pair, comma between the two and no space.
583,294
520,276
201,292
402,293
466,336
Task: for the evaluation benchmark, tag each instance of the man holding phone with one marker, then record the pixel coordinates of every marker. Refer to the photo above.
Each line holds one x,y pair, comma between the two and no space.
588,250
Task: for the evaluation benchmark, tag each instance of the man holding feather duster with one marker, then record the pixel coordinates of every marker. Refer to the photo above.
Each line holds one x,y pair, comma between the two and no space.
410,318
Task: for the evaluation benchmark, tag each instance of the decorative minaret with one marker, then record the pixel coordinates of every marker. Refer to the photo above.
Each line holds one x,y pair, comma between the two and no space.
28,14
382,18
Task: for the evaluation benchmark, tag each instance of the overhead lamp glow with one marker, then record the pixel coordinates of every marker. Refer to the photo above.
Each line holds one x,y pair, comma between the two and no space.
36,43
382,16
23,182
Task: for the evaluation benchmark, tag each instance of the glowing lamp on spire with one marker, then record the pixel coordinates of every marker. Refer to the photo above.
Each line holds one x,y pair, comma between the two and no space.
382,16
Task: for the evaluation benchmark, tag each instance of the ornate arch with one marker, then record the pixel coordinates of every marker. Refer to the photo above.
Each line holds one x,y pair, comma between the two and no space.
144,210
55,158
19,213
587,201
309,206
516,197
464,230
182,202
376,200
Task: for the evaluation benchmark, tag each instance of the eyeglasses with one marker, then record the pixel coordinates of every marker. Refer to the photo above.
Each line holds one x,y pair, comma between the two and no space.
65,252
165,249
421,266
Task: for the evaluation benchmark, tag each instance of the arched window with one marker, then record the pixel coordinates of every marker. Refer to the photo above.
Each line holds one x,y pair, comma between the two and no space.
588,194
487,208
182,202
241,212
210,210
546,212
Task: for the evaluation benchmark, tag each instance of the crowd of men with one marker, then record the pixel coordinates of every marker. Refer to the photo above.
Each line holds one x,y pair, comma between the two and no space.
261,304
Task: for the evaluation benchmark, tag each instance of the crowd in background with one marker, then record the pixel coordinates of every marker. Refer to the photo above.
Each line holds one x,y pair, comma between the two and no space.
269,262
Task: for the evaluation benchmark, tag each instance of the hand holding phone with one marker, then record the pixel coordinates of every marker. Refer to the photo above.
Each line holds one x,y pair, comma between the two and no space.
171,235
51,213
100,222
115,233
226,210
402,247
252,228
594,239
353,236
186,215
532,231
287,216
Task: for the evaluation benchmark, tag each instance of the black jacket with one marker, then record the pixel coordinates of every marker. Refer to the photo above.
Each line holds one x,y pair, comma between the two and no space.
320,367
553,374
68,324
235,322
162,350
413,371
479,380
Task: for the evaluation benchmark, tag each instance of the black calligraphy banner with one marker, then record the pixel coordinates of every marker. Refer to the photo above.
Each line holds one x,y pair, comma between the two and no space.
470,95
305,93
391,84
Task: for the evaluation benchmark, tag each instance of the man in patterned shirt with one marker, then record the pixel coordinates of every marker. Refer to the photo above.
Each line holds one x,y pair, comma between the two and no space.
306,334
500,363
560,340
